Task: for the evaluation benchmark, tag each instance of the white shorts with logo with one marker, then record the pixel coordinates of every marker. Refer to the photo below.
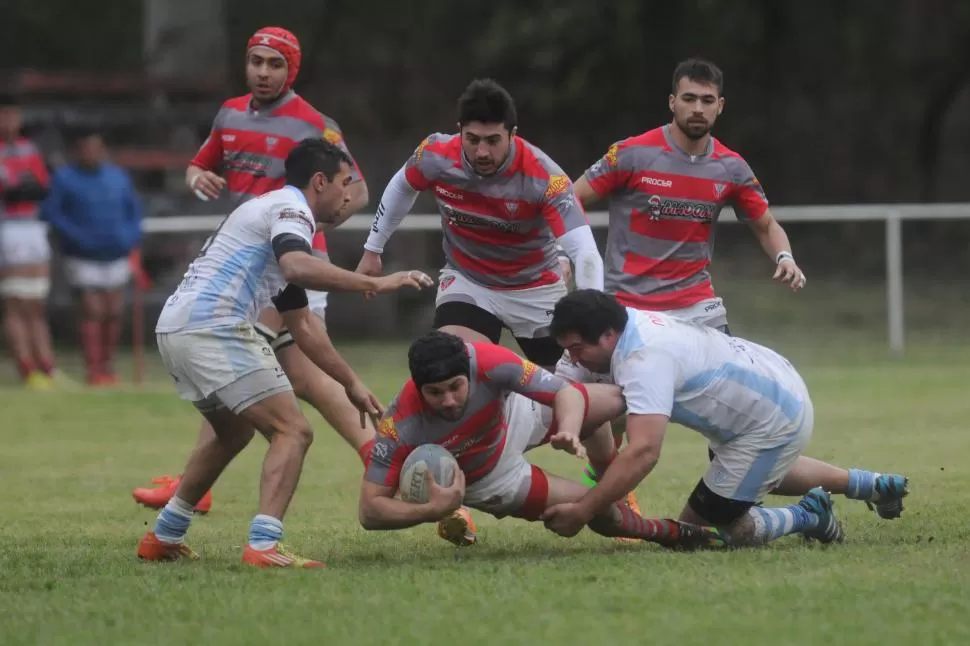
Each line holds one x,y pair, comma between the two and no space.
527,313
97,274
710,312
224,367
506,488
23,242
749,466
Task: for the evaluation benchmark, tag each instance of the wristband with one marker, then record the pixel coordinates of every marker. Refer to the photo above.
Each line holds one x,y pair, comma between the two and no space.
784,255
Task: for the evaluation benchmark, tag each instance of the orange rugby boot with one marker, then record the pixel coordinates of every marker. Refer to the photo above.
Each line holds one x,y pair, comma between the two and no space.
158,497
277,556
152,549
459,528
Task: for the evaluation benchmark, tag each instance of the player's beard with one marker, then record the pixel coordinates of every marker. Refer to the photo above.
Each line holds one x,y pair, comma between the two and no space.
694,130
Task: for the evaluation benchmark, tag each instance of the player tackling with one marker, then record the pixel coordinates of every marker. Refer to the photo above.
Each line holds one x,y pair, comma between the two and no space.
747,400
487,407
219,362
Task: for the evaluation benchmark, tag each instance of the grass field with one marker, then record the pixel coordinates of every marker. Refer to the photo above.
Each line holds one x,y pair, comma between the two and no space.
69,530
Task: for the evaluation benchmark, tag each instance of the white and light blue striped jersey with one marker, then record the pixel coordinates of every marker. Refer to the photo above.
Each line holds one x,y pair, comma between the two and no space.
236,273
718,385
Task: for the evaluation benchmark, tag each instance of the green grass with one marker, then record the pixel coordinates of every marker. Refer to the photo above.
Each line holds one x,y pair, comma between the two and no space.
68,574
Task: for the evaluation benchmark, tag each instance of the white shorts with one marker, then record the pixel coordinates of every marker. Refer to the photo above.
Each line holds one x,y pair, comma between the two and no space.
527,313
710,312
225,367
317,304
97,274
23,242
748,467
505,491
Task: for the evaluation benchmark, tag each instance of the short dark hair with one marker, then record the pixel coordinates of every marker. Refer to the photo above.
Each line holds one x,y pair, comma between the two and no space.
589,313
312,156
699,71
437,356
485,101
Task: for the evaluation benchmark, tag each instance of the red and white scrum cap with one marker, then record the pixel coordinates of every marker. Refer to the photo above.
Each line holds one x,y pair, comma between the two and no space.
285,44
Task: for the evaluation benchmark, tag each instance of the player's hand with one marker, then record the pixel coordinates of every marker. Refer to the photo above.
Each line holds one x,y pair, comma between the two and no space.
567,270
366,402
789,273
566,519
393,282
207,185
568,442
370,265
445,500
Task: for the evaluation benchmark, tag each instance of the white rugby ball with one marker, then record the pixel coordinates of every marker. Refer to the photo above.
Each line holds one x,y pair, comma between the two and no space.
427,457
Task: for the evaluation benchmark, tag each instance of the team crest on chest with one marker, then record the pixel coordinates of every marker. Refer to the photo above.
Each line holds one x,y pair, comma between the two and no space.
719,190
511,207
271,142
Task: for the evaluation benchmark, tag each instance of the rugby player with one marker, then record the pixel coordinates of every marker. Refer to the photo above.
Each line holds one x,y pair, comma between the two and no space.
487,407
24,250
504,205
208,342
747,400
666,188
250,138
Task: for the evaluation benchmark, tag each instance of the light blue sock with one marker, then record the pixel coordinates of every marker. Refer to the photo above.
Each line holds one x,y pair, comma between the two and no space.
771,524
862,485
265,532
173,521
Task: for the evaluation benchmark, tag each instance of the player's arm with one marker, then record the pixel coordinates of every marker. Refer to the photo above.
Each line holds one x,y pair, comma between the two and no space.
567,221
609,173
33,186
647,379
379,509
751,205
291,235
202,174
398,199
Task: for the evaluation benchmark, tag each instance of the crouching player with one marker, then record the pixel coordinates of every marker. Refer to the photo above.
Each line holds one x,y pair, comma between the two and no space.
747,400
487,406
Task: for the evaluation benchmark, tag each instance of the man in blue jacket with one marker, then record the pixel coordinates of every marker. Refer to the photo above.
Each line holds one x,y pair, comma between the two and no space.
96,215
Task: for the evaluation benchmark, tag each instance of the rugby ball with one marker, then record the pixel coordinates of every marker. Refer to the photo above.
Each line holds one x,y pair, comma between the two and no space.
427,457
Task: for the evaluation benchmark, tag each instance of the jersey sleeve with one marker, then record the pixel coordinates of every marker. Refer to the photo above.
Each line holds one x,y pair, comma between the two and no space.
612,171
293,219
209,156
419,171
333,134
648,378
508,371
389,452
560,208
748,199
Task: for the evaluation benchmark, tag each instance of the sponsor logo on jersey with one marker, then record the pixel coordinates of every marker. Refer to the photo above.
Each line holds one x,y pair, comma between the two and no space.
441,190
528,371
446,282
654,181
661,207
228,137
297,216
419,151
388,429
557,184
610,156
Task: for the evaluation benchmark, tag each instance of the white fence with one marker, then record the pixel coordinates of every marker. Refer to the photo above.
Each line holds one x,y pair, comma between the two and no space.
891,214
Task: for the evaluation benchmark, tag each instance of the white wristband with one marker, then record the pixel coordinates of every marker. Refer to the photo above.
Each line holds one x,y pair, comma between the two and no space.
784,255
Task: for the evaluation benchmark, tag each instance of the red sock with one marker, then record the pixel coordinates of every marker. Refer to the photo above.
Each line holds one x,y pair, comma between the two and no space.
365,452
25,367
91,345
47,365
633,525
110,336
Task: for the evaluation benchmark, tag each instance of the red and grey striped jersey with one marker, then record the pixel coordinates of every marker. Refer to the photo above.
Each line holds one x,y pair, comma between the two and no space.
663,206
248,146
21,163
499,230
477,439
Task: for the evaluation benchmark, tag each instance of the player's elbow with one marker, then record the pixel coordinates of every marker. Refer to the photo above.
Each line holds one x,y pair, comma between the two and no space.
293,268
646,455
368,516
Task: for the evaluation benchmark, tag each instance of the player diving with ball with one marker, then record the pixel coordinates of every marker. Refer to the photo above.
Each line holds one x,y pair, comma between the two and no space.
488,407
